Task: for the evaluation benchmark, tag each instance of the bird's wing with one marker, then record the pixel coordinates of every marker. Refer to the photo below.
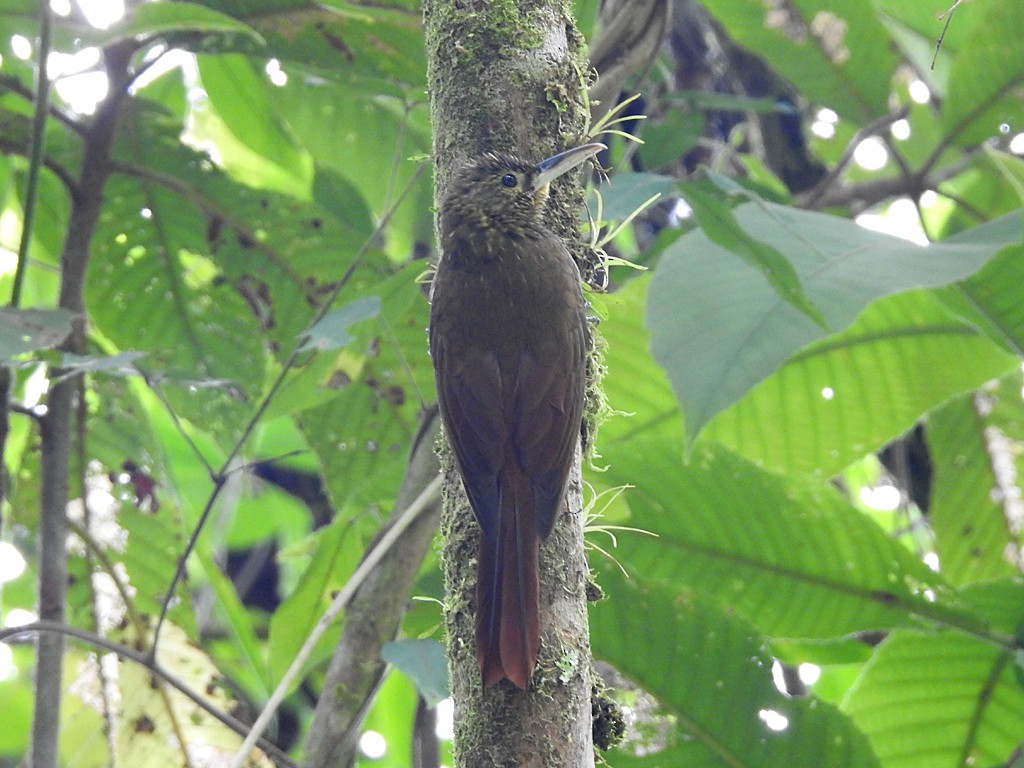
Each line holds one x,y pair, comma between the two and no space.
467,385
550,389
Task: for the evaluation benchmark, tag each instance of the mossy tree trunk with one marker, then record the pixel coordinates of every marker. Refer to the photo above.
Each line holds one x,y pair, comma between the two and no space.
509,76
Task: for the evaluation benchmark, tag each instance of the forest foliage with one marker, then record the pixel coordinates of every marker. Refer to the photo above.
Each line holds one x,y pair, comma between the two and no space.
817,425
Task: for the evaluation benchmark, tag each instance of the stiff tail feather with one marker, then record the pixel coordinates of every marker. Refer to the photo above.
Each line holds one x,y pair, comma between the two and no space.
507,590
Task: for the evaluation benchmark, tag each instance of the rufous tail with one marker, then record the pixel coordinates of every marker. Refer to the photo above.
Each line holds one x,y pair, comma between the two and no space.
507,590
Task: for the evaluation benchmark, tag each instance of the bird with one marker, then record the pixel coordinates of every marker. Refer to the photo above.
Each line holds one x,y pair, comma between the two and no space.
508,340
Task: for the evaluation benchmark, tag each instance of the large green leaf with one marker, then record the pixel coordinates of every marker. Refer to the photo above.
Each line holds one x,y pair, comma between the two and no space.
637,390
793,557
851,393
989,300
153,19
359,408
970,442
335,553
710,672
719,328
398,132
987,76
941,699
718,223
242,97
194,267
837,55
1001,602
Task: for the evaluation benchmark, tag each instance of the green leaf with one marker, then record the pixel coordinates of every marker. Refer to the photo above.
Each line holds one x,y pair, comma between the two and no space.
359,408
670,137
637,390
425,662
849,394
755,541
718,327
149,558
837,55
331,331
986,74
1001,602
711,673
242,98
717,222
336,551
18,707
157,19
628,191
392,711
938,699
973,485
361,118
29,330
988,298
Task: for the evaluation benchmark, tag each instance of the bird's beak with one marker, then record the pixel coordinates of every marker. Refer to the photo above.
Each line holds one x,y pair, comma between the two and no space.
555,166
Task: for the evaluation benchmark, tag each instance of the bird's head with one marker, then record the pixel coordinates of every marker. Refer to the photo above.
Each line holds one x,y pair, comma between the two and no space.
502,193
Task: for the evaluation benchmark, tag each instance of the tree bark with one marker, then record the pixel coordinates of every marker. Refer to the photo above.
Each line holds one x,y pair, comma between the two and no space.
510,76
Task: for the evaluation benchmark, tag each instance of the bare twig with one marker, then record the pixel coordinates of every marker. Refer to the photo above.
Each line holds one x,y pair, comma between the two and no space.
871,129
949,17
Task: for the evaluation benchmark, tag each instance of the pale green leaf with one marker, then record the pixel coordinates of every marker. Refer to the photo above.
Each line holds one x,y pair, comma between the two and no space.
987,74
29,330
851,393
332,330
931,699
718,327
755,541
712,675
424,661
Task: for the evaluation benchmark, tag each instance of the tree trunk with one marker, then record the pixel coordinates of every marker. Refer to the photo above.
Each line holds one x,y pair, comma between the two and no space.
510,76
56,424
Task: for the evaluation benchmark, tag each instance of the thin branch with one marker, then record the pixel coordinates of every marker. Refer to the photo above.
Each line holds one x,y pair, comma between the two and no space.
868,193
871,129
154,384
58,170
12,84
179,571
144,660
949,17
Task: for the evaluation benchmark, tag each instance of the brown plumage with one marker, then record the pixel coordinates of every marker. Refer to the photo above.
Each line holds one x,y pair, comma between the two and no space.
508,338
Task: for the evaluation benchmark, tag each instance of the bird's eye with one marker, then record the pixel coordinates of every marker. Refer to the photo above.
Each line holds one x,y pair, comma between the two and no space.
509,180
